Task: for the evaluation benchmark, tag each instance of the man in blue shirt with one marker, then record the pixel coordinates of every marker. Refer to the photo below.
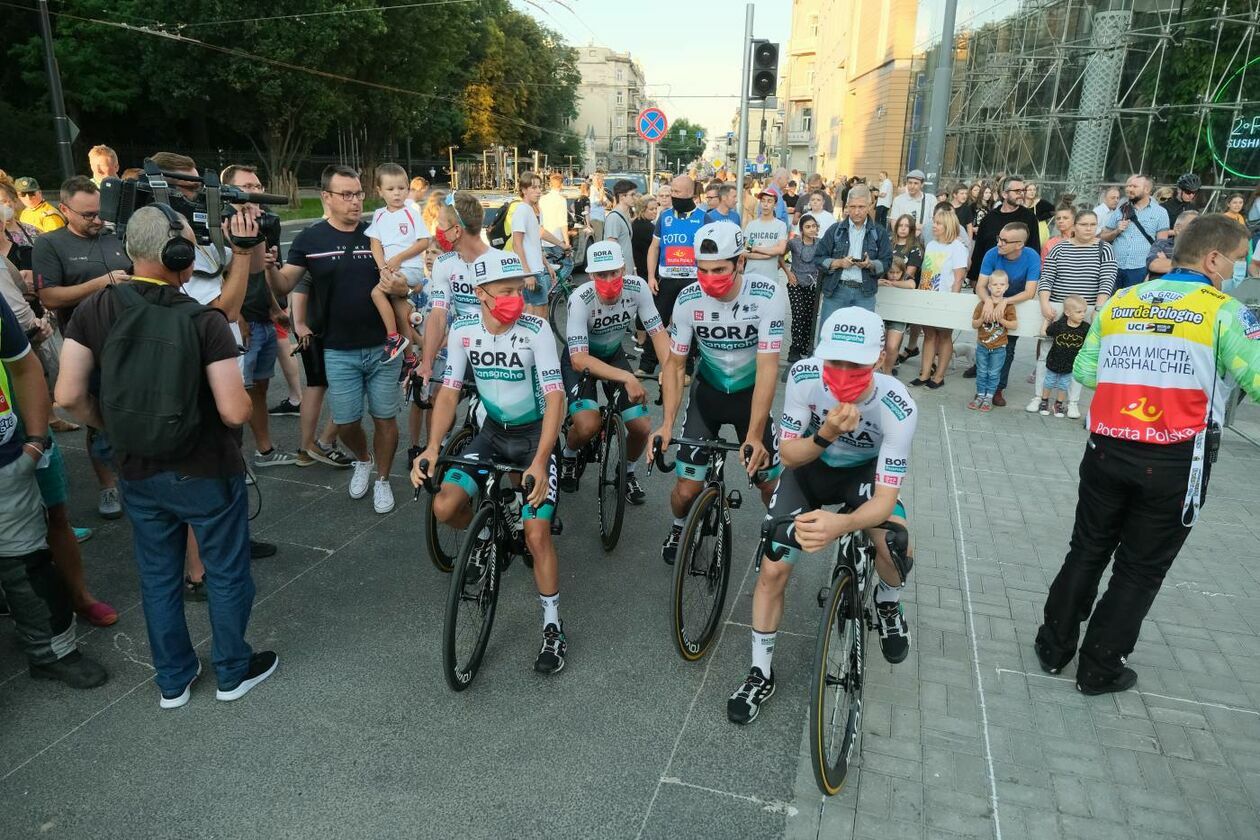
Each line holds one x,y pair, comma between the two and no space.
671,258
1023,267
725,211
854,254
1132,229
777,185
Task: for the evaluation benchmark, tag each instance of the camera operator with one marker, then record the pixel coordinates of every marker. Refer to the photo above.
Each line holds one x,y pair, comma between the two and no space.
261,346
1157,354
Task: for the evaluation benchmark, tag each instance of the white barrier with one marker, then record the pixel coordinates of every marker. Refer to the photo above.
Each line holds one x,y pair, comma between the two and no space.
948,311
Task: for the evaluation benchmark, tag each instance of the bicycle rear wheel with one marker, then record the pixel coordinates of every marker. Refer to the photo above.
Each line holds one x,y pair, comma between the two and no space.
835,708
444,541
701,574
470,605
558,313
612,482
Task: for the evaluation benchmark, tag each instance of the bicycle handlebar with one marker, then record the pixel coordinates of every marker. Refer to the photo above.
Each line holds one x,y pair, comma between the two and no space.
658,453
497,467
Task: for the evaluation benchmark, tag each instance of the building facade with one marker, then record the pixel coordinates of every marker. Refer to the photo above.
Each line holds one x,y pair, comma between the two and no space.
1079,93
609,100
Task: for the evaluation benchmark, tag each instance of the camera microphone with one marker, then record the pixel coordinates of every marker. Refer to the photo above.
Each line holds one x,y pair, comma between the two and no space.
238,196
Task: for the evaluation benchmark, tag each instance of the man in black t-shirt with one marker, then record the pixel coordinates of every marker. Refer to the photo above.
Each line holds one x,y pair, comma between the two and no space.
1010,210
337,256
203,492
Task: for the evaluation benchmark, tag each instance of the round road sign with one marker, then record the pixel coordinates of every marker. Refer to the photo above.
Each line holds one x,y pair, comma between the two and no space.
652,124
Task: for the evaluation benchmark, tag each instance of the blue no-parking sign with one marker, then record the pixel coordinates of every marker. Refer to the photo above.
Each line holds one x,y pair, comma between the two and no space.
652,124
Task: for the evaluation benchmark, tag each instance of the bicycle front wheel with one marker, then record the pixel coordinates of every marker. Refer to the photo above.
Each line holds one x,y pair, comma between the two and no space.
612,482
558,313
835,708
470,605
701,573
444,541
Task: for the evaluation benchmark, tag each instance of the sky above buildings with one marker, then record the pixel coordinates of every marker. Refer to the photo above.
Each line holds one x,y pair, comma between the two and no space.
689,49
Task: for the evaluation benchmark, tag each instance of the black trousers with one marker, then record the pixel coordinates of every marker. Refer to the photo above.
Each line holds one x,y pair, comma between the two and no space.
804,302
1130,503
668,291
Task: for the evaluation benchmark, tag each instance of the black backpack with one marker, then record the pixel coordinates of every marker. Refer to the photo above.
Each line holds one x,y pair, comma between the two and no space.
151,375
498,233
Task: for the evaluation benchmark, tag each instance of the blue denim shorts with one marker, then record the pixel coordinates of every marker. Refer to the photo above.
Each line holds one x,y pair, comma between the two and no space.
358,376
538,297
259,361
1057,381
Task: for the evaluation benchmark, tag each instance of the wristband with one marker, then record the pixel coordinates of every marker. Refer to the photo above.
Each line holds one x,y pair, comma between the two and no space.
820,441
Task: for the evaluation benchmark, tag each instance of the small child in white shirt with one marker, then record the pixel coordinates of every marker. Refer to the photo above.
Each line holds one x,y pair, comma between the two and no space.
399,239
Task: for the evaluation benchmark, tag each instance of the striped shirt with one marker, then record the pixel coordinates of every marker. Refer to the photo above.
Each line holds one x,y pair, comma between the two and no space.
1085,270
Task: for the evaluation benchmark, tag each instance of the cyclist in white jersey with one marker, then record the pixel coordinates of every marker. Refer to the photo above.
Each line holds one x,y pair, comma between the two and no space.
458,234
601,314
736,322
512,358
846,434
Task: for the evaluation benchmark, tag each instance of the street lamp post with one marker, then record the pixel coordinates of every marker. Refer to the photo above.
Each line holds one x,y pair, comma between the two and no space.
60,120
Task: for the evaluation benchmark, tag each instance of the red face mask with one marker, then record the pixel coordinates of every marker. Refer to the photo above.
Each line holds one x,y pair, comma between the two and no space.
507,308
717,285
610,289
846,385
442,242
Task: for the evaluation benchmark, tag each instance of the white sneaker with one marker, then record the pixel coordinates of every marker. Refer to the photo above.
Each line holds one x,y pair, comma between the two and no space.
382,496
359,478
1033,405
1074,411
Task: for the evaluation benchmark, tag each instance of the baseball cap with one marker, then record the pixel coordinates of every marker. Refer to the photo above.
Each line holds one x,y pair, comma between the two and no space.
916,173
719,241
852,334
497,265
604,256
770,191
26,185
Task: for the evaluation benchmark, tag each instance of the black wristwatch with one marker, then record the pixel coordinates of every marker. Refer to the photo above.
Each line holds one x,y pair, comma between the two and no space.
820,441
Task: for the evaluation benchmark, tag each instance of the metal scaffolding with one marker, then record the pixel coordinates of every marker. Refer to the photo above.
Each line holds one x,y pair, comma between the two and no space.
1078,93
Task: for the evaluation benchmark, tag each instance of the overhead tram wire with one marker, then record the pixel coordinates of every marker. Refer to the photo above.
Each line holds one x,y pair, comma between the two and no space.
325,12
239,53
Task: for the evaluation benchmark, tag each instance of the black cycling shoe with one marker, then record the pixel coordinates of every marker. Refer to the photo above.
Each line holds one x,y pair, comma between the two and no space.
634,490
554,647
742,706
894,633
1126,679
670,549
568,474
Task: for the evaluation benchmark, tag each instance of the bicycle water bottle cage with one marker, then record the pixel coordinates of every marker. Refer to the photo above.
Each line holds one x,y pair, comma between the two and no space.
734,500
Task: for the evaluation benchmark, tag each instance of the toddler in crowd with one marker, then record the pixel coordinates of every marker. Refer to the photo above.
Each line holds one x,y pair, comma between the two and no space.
1068,337
399,239
991,340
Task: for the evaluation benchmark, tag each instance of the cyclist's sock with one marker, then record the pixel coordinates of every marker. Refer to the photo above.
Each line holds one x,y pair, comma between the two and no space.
569,453
885,594
551,609
680,521
630,467
763,651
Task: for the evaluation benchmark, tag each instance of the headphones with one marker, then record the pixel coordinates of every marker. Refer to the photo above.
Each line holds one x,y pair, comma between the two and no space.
178,253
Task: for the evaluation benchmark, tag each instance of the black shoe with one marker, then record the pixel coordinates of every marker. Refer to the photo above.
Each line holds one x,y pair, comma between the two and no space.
742,706
1126,679
894,633
284,408
259,550
554,647
568,474
634,490
970,373
74,669
261,666
1049,663
670,549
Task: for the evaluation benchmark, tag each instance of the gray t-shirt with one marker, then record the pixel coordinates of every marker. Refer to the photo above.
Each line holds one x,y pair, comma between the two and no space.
617,227
764,233
62,258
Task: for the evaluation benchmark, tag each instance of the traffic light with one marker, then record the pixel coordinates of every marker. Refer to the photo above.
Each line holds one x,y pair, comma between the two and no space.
764,75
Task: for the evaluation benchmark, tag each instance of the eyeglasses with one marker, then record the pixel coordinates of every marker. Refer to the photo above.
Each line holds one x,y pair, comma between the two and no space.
1002,241
348,196
24,194
1014,191
87,217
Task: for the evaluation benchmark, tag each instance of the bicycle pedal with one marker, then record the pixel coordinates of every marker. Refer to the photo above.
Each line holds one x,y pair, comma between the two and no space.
734,500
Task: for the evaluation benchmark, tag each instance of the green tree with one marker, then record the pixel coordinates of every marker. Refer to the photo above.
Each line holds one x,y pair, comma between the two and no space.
685,141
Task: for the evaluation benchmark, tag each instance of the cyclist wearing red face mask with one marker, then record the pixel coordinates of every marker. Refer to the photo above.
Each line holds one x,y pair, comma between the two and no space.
846,433
736,322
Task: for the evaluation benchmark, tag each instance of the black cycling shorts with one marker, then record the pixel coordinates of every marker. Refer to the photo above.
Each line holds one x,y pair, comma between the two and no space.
708,410
515,446
586,397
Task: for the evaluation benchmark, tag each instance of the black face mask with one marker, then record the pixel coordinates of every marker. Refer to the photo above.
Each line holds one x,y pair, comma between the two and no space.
683,205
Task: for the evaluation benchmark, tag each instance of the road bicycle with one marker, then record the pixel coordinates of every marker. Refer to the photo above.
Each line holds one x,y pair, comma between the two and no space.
442,540
473,593
608,449
702,566
847,602
558,305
